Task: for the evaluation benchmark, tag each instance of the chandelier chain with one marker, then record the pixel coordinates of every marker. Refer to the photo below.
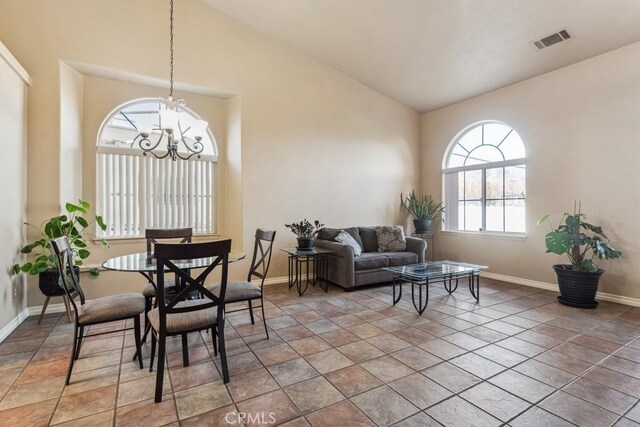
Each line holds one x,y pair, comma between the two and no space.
171,48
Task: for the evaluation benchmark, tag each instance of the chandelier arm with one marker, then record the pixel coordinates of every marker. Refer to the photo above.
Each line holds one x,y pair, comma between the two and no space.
198,147
189,156
148,146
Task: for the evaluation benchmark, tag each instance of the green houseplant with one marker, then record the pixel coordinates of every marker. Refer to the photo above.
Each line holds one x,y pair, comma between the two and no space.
582,242
73,224
423,209
305,232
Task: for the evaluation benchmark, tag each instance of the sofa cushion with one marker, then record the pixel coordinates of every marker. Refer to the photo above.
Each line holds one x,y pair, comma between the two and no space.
400,258
346,239
391,238
369,239
326,233
371,260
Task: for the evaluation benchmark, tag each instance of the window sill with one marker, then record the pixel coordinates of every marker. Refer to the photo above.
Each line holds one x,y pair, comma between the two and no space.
487,235
127,240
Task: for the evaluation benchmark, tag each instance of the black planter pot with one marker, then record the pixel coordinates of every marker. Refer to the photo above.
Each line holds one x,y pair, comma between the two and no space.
49,283
422,225
305,243
577,288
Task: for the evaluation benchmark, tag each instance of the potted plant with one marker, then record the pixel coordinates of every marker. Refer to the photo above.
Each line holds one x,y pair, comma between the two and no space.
305,232
43,263
582,243
423,209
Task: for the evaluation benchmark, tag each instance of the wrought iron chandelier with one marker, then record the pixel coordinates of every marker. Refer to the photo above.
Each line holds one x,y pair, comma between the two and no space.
171,121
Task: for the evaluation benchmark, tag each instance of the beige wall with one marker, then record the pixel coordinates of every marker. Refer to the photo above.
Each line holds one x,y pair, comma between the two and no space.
13,143
581,127
311,142
71,125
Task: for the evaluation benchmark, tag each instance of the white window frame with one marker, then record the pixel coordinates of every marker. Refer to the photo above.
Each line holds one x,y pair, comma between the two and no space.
450,185
185,200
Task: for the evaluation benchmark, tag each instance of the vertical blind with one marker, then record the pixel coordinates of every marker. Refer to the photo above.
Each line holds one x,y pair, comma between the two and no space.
136,193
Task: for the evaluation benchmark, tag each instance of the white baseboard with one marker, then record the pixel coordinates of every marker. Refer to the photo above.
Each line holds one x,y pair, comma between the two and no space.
280,280
635,302
11,326
51,308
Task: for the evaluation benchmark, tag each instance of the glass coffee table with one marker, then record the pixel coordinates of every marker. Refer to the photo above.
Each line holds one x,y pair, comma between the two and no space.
423,274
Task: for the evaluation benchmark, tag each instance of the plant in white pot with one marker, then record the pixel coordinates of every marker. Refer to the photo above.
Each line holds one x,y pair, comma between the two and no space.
305,232
582,243
423,209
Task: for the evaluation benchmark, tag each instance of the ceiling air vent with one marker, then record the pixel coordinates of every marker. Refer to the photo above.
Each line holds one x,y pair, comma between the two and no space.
551,39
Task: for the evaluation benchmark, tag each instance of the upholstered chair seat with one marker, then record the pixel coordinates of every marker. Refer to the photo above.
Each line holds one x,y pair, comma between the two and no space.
238,291
110,308
192,320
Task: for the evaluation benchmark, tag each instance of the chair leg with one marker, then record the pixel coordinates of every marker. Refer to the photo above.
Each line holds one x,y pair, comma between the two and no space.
73,353
185,350
266,331
80,337
153,350
147,309
251,313
223,353
160,372
67,307
136,334
44,309
214,338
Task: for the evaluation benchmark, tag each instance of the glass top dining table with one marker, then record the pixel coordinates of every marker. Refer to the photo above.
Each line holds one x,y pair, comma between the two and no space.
144,262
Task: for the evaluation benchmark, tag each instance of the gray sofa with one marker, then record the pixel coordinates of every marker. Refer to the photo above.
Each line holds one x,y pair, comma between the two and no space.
349,271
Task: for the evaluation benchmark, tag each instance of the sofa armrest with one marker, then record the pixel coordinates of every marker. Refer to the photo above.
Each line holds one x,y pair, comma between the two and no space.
341,269
339,249
417,246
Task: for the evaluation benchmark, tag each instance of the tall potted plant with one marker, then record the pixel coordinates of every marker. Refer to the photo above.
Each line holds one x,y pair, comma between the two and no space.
305,232
73,225
582,243
423,209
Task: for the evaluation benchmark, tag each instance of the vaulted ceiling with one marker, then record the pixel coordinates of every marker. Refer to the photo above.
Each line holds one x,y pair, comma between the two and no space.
427,54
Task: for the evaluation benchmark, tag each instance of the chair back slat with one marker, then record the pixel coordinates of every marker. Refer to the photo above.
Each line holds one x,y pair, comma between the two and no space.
61,249
167,253
154,235
262,250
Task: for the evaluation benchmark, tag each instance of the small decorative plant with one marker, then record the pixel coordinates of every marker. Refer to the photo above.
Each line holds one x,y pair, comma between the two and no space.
304,229
580,241
73,225
421,208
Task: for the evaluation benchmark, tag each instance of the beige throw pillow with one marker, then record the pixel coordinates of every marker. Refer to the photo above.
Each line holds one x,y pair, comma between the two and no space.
391,238
346,239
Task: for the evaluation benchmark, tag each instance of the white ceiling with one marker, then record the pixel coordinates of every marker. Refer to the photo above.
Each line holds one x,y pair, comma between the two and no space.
431,53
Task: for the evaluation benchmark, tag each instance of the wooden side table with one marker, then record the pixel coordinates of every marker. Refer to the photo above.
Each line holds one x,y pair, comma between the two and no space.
429,237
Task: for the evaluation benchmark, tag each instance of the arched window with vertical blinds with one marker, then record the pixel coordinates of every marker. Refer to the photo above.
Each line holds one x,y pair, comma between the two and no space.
136,192
484,175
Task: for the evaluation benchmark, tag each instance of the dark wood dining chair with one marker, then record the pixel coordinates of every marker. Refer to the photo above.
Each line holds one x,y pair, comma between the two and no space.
177,315
249,291
94,312
153,236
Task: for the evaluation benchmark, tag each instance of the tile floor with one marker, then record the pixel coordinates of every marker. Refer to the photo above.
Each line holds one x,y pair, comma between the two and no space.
348,359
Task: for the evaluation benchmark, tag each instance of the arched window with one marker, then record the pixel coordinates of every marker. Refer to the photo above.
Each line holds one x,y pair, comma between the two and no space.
484,180
137,191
